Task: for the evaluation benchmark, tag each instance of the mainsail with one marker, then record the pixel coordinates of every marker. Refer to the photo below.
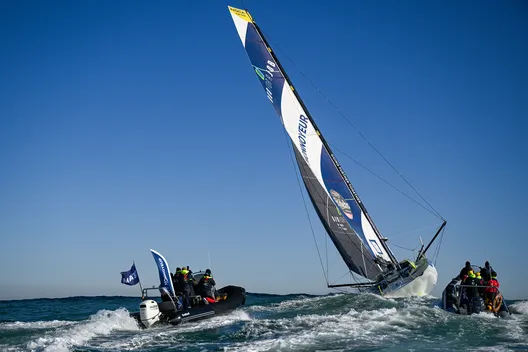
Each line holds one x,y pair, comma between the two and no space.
338,206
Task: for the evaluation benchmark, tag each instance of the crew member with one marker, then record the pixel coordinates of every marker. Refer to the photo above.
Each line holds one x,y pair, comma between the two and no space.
464,271
187,280
492,289
471,283
481,284
176,280
206,286
486,271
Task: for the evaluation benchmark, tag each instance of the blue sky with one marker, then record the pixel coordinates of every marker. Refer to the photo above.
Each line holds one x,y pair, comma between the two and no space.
126,126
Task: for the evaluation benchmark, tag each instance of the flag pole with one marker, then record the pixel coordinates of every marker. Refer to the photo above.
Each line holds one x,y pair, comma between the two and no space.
139,281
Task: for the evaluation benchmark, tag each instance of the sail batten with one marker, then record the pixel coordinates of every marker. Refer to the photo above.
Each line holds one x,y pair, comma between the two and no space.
337,204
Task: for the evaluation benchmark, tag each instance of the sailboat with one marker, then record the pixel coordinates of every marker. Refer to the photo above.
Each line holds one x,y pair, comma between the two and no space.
342,213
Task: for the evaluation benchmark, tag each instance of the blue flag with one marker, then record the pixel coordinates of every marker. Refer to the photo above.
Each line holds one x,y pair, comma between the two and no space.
130,277
164,272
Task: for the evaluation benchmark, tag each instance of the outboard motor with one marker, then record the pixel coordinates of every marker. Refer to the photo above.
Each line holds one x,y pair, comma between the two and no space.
149,313
477,305
450,297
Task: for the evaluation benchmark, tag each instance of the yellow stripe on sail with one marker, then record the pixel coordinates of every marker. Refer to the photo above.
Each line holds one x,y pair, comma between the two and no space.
243,14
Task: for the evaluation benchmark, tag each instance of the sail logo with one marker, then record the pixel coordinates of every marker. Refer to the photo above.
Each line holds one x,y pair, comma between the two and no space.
342,203
260,73
303,126
266,75
164,271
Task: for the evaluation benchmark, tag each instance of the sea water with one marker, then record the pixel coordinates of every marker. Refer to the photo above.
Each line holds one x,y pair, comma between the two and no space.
340,322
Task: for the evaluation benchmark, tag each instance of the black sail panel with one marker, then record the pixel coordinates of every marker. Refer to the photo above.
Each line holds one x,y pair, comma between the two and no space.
354,253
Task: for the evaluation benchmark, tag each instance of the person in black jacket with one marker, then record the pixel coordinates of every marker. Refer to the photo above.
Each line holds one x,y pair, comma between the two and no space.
176,281
187,283
206,285
481,284
464,271
486,272
472,282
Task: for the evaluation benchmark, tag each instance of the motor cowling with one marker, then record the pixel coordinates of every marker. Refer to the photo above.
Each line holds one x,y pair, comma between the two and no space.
478,305
450,297
149,313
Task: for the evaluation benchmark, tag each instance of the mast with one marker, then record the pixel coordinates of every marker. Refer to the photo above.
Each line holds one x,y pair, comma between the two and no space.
432,240
382,239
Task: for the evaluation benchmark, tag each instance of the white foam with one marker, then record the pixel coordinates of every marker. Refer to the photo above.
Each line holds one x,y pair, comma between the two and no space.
216,322
164,336
7,348
298,303
308,330
102,323
491,349
420,286
519,308
34,325
377,327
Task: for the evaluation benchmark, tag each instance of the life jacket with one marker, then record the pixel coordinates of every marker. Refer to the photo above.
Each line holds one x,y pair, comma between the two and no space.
185,276
207,285
470,280
493,286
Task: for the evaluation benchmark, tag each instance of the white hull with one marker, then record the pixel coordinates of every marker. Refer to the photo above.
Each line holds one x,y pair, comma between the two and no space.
421,286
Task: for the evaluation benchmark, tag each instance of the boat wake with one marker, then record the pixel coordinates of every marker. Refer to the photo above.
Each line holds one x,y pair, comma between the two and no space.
519,307
70,334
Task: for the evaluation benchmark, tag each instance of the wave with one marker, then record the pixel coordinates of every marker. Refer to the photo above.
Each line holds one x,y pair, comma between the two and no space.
103,323
519,307
34,325
335,322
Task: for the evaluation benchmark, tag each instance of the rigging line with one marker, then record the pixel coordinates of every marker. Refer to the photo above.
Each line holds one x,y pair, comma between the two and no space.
437,251
361,243
304,200
345,274
356,129
326,240
354,276
432,211
407,233
324,195
408,249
